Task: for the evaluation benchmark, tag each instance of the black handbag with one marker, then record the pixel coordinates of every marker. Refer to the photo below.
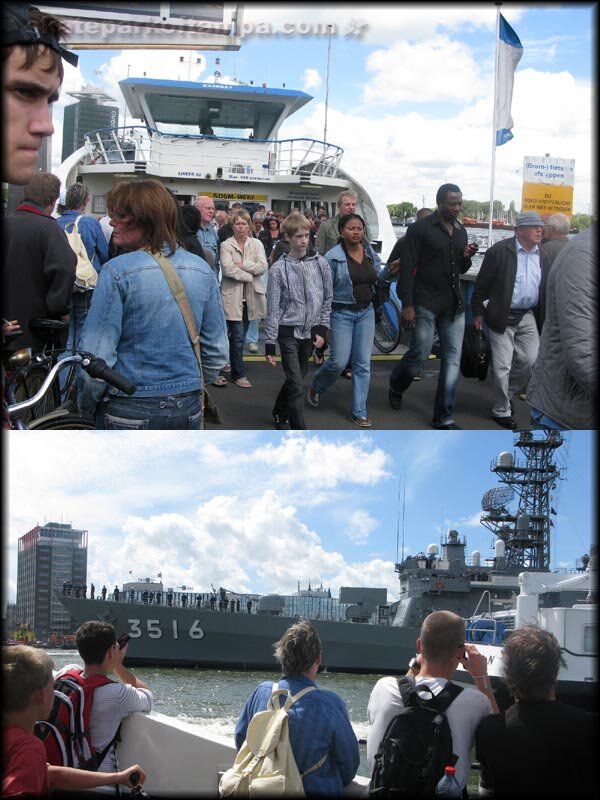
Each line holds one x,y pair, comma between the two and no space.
476,352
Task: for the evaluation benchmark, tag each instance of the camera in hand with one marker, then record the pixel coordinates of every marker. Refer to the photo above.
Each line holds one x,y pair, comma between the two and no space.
122,640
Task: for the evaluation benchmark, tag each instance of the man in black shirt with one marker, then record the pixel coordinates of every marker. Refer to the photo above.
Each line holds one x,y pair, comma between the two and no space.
435,255
539,747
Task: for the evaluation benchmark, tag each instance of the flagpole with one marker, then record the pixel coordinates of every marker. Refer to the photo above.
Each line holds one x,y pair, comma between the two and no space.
491,213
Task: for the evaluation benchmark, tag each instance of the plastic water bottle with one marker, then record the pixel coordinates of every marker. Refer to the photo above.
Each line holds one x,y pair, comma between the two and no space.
448,786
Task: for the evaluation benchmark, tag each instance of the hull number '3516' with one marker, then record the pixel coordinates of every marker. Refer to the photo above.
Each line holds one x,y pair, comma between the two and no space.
155,631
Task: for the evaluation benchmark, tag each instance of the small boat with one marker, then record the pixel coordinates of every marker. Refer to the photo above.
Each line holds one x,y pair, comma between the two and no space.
497,224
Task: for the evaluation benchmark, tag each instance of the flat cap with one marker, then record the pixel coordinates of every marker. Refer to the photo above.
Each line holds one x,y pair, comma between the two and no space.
528,218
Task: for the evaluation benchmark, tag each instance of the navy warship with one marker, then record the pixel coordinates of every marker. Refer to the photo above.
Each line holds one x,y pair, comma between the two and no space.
361,631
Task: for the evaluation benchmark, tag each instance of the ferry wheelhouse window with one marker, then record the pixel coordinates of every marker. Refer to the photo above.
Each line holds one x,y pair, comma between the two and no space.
98,204
590,632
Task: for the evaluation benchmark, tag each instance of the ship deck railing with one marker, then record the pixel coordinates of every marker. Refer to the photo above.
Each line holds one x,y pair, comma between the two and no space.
211,157
326,609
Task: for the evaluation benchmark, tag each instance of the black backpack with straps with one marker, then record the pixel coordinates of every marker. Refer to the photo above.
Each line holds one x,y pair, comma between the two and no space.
417,744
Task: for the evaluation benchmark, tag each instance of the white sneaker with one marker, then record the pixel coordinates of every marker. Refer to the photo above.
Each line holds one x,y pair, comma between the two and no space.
252,348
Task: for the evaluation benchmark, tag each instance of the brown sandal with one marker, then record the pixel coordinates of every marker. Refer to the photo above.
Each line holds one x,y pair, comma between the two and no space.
220,381
243,383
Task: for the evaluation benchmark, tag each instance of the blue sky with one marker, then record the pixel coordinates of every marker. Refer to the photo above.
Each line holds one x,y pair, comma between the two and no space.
410,96
260,511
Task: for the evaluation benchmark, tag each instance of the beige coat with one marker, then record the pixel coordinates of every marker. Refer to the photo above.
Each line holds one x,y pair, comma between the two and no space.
243,269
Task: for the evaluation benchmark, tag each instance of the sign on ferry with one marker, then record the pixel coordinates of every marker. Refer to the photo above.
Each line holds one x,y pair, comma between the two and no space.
544,169
547,199
548,185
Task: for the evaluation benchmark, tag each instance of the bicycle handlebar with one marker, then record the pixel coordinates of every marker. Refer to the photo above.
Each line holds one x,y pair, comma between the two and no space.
96,367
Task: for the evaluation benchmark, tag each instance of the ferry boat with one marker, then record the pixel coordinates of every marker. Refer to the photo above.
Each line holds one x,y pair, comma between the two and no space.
220,139
361,631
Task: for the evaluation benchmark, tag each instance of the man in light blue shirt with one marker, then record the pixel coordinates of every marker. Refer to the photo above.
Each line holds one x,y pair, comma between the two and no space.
509,293
207,235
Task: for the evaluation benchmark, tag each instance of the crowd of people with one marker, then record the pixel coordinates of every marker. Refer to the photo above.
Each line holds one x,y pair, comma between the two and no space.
179,291
514,746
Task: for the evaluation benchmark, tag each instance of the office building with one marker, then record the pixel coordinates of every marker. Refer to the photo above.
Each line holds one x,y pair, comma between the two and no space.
48,556
88,114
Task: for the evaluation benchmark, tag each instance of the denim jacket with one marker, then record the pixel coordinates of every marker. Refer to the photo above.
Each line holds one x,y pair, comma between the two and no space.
342,284
319,726
136,326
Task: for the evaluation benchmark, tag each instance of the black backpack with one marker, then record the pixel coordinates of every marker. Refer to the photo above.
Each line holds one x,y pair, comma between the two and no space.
417,744
475,356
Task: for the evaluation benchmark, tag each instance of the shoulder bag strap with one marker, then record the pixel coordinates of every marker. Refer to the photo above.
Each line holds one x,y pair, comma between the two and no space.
178,290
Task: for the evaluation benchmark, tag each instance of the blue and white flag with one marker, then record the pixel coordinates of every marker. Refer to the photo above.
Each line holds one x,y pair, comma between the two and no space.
510,51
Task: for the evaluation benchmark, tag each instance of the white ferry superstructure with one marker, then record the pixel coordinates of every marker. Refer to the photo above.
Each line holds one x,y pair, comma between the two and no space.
220,140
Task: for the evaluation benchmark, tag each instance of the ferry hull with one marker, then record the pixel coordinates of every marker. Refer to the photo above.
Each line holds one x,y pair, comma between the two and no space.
190,637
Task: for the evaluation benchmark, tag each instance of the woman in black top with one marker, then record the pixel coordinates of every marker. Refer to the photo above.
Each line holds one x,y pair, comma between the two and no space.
270,235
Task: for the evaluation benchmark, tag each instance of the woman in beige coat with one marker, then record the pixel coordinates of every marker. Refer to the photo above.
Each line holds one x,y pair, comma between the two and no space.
243,261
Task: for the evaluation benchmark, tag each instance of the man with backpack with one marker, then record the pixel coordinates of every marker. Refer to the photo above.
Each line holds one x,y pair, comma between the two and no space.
421,723
324,748
112,700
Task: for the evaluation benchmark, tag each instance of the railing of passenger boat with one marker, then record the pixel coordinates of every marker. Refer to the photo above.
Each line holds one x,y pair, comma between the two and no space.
237,159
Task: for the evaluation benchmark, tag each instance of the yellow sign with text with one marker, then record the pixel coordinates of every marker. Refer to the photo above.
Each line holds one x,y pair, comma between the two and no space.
546,198
237,196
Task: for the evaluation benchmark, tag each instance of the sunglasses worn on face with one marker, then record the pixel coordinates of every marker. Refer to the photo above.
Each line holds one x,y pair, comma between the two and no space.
120,218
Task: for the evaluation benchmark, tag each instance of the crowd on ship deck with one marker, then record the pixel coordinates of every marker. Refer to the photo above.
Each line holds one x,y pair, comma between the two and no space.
173,293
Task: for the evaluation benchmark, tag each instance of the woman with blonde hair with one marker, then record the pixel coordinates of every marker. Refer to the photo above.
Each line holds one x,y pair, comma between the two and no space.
243,262
136,325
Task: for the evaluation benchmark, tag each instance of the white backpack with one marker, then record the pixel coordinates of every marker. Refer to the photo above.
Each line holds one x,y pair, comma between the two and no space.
86,276
265,765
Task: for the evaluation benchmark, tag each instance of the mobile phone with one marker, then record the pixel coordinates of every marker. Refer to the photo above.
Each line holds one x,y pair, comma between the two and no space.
122,640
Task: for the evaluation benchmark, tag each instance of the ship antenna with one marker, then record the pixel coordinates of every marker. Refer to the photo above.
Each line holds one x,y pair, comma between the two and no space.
398,528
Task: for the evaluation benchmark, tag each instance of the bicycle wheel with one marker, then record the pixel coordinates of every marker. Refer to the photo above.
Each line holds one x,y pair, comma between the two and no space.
68,421
27,384
388,328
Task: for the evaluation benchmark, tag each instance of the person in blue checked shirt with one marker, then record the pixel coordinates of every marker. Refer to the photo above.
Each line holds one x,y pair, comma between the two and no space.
319,725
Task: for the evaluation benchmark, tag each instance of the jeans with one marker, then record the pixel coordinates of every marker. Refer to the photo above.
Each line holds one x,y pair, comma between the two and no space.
252,333
290,400
451,328
236,333
351,342
81,305
513,355
171,412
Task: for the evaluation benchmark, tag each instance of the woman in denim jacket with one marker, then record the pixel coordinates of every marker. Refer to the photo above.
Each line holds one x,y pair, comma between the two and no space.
136,326
354,268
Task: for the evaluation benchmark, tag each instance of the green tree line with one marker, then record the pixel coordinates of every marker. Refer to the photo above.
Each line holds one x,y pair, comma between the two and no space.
477,209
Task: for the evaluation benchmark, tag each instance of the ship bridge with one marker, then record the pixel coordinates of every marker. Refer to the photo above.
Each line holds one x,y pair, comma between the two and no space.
256,110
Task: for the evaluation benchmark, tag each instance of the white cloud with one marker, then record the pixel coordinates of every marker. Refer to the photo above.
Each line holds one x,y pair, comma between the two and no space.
311,80
200,510
360,525
422,83
406,156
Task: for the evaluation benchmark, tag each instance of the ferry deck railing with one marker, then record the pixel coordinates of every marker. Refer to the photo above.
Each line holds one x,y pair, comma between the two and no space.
227,157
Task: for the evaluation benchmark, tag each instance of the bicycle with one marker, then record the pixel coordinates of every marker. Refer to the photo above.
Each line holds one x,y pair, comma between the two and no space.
388,318
26,372
65,417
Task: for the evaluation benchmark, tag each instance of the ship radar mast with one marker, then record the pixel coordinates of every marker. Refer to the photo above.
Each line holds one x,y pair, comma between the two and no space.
525,532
